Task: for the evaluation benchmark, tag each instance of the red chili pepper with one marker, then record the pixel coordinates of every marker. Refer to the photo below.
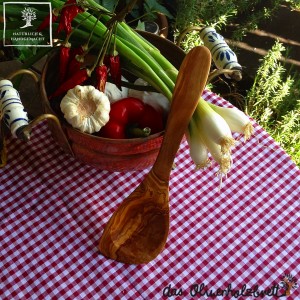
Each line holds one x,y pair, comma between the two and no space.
74,63
131,117
64,56
46,22
115,69
78,78
101,77
68,13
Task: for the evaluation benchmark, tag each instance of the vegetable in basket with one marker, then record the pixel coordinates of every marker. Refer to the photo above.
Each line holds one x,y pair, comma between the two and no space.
86,108
130,117
106,33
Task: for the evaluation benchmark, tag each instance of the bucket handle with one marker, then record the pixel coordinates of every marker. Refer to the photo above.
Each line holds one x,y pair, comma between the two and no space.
13,114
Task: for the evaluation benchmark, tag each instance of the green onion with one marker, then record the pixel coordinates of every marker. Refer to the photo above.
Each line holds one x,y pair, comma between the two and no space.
236,120
198,149
215,126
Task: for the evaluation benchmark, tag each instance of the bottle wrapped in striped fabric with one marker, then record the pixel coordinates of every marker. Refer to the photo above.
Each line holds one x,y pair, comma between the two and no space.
11,107
223,56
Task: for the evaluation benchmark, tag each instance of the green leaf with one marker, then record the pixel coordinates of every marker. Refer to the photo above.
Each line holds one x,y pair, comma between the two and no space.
140,26
153,6
108,4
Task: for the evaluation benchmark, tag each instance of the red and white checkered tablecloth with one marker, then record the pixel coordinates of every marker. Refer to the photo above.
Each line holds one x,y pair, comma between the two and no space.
53,210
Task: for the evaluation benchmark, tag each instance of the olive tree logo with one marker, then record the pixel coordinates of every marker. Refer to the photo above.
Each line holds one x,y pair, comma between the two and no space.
28,15
288,283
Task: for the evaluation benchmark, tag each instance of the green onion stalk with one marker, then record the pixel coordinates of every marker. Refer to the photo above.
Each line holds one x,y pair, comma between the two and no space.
208,131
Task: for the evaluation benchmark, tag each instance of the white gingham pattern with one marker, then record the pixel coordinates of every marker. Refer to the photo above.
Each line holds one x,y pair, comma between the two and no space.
53,210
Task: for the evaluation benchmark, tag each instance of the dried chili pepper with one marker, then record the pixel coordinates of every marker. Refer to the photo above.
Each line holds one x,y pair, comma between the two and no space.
78,78
101,77
74,62
115,69
64,57
46,21
131,117
68,13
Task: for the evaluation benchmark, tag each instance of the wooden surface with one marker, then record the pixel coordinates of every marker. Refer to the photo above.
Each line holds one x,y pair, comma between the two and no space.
138,230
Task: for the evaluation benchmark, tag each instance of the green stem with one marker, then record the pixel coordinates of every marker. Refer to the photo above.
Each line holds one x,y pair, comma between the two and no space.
86,45
105,46
76,28
151,62
141,73
136,62
139,62
125,30
138,18
129,55
90,22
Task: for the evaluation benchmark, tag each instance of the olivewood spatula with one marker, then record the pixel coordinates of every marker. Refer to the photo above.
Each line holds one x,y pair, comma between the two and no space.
138,229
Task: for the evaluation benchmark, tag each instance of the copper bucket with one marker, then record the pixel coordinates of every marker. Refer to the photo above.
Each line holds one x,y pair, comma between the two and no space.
102,153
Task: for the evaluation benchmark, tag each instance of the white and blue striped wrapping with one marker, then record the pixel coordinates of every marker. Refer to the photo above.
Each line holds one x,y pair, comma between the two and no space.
11,107
222,55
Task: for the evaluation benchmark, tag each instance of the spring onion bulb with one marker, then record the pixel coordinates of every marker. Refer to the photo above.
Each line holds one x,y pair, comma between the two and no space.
209,134
236,120
214,126
198,149
222,158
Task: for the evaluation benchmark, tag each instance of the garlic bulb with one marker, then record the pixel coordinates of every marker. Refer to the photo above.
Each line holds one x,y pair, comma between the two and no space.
86,108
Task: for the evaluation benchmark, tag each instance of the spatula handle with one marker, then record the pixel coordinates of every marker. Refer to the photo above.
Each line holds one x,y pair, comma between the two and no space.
188,89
